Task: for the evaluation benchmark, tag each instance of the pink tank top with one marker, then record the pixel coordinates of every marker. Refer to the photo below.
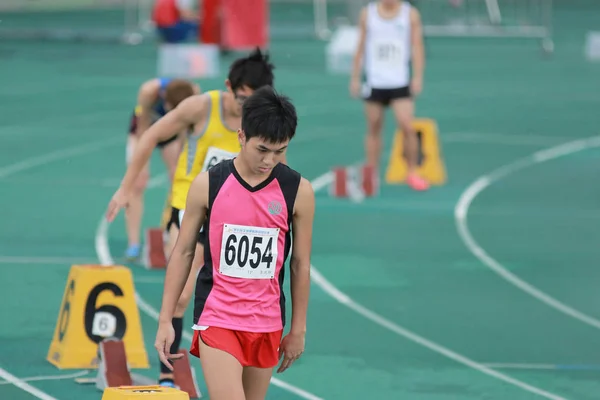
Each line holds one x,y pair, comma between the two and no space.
240,286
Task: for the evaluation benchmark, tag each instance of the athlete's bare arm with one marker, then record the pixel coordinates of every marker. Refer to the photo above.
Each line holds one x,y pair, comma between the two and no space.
418,51
190,112
180,262
147,96
359,54
301,249
304,210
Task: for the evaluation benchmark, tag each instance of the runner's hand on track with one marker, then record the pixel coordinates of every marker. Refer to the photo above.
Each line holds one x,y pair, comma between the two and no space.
118,201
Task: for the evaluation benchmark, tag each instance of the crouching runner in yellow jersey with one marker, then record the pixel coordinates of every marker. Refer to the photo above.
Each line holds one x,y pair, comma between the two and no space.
203,149
212,121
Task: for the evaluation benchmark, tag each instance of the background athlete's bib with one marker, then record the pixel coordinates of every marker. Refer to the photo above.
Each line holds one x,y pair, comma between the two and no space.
215,155
248,252
388,53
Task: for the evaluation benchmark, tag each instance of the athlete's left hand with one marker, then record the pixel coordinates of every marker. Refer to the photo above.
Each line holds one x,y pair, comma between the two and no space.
291,348
416,86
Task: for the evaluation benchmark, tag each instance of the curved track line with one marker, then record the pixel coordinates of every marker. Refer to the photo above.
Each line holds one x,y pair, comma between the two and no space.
462,208
399,330
322,182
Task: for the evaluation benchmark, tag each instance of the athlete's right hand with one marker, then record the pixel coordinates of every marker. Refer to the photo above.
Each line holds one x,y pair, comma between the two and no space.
118,201
164,339
291,348
355,88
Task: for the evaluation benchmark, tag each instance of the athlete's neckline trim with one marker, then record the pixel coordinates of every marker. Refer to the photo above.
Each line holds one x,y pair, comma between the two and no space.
246,185
399,12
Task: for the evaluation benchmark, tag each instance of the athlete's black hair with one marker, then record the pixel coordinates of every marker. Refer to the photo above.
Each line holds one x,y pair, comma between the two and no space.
253,71
269,115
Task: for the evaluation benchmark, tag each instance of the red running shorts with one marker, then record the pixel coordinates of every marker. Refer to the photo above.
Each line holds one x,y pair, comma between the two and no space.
251,349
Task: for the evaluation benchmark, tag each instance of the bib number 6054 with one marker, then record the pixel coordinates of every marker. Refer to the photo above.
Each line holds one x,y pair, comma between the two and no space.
240,255
248,252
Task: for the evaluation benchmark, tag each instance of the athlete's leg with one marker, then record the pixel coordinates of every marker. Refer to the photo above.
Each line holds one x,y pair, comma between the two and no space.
222,373
166,376
190,285
404,111
374,112
169,152
172,231
135,209
256,382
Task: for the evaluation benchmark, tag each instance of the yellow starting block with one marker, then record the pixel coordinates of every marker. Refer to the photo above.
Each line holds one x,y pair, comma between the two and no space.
114,372
143,392
431,164
98,303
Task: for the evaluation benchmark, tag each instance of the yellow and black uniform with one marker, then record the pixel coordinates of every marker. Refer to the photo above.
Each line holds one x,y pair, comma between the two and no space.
215,143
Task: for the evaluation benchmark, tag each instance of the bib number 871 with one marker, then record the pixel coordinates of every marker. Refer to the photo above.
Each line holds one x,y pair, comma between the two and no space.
388,52
238,251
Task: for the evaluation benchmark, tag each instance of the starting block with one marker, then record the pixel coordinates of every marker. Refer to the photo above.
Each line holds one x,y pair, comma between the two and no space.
185,376
98,303
114,371
430,164
153,256
354,182
144,392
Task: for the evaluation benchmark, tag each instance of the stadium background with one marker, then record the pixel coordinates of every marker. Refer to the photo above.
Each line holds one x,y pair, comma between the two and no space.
397,276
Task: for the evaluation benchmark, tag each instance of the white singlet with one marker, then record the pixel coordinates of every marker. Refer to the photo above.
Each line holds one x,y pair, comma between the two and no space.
388,48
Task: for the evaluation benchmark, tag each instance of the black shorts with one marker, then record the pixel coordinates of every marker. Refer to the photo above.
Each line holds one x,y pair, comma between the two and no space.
174,220
386,96
133,130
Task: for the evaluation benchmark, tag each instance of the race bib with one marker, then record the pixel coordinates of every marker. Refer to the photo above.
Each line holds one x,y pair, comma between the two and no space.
248,252
388,53
214,155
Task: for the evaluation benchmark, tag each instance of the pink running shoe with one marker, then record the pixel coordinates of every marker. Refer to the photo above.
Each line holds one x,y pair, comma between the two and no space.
417,183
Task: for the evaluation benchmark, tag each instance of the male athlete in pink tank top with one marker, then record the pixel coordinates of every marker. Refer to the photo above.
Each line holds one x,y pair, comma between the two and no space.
249,206
249,240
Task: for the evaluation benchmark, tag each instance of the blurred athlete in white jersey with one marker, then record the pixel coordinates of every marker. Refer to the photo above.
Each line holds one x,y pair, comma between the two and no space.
390,38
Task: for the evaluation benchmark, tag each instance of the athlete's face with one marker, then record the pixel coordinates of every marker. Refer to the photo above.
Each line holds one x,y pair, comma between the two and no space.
389,3
240,95
262,156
